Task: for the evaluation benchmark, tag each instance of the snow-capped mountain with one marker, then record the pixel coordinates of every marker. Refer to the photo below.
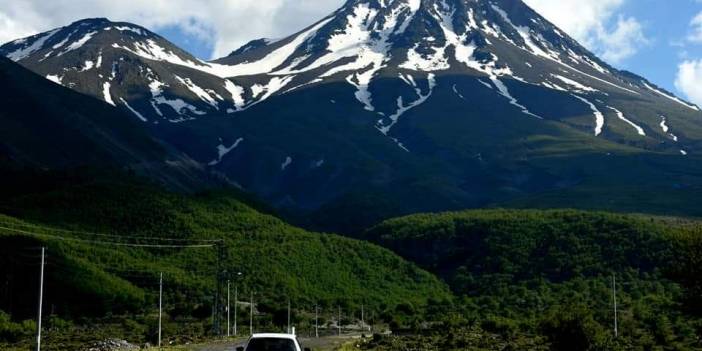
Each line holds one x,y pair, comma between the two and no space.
437,103
127,66
361,43
500,43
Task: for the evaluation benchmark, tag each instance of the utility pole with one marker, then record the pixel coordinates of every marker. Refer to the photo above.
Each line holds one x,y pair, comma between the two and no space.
236,301
220,275
614,295
288,315
338,322
41,299
228,308
160,308
251,316
362,320
316,321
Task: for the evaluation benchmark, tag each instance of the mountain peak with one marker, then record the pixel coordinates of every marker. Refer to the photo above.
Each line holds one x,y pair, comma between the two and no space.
95,20
121,62
60,41
424,29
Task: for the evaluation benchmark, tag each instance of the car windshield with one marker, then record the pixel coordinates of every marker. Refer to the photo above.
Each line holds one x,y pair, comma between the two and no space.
271,344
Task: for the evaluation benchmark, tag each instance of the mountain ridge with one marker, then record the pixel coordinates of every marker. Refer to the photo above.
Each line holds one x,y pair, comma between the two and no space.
48,127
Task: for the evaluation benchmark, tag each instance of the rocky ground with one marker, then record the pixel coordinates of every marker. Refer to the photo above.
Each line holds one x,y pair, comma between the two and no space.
113,345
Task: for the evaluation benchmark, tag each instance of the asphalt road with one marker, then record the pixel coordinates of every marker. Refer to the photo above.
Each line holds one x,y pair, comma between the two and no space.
329,343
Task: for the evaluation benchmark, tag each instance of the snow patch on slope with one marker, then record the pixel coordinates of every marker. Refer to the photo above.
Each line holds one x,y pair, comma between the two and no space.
54,78
356,41
272,61
438,60
78,43
135,112
666,129
181,107
127,29
402,108
577,85
149,49
502,89
286,163
417,62
668,96
64,41
224,150
87,65
599,117
486,84
27,50
526,34
273,86
362,94
237,93
623,118
204,95
368,44
464,54
455,90
106,93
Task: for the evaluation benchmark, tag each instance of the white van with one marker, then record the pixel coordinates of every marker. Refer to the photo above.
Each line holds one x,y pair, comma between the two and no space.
272,342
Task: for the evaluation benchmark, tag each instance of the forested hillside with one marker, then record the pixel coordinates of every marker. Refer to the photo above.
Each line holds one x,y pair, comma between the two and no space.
92,275
549,274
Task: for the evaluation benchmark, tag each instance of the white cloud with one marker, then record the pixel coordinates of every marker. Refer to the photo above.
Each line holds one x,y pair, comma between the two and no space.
689,76
624,41
580,19
689,80
11,28
225,24
696,35
586,22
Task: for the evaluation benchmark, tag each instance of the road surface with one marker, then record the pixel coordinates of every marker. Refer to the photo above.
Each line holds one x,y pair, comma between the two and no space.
329,343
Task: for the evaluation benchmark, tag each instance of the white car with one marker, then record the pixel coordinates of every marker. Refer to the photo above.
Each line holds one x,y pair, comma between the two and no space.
272,342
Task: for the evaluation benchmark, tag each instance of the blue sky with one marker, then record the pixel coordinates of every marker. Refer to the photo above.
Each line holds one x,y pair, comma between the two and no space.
654,38
667,25
199,47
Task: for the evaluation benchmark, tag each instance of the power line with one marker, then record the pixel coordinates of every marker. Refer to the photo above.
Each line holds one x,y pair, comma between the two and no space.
115,236
149,270
108,243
